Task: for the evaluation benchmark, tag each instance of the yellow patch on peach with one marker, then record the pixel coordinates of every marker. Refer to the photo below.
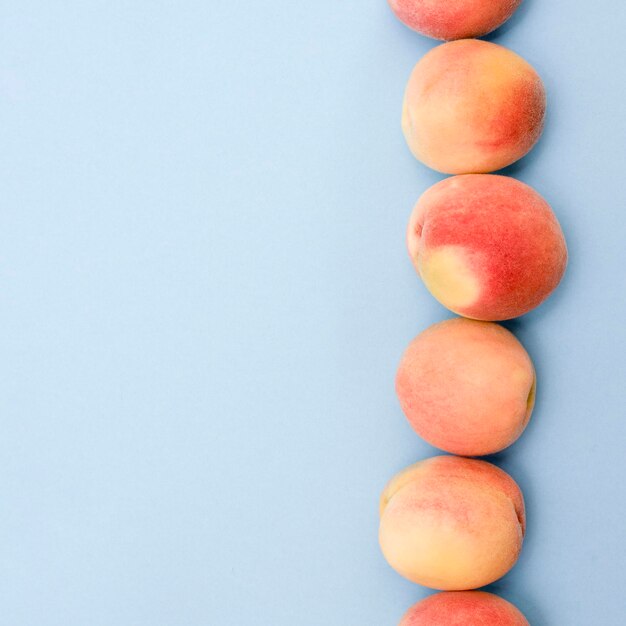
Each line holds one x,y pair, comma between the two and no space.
447,274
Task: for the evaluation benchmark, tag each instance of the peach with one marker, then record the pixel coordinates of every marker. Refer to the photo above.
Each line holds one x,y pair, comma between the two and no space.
487,247
454,19
452,523
472,107
467,387
464,608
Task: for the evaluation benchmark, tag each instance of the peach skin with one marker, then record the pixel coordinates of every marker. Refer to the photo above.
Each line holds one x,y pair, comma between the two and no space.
452,523
454,19
464,608
487,247
472,107
467,387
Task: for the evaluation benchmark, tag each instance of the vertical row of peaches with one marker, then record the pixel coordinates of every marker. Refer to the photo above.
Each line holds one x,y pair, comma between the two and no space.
489,248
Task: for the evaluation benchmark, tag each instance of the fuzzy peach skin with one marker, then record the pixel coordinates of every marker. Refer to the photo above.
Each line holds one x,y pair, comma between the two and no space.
472,107
467,387
487,247
454,19
464,608
452,523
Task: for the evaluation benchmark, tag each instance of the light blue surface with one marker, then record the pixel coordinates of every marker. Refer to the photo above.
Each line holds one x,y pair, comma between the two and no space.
205,294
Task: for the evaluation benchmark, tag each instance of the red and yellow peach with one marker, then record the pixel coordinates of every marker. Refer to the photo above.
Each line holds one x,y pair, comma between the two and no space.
472,107
464,608
452,523
454,19
467,387
487,247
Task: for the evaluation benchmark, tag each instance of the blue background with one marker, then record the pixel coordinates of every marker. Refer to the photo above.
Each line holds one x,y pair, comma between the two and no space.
205,293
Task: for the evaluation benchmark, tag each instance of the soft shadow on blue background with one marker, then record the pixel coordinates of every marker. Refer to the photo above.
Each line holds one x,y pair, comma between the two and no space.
205,294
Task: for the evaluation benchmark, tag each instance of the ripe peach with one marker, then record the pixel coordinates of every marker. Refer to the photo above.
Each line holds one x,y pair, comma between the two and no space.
487,247
472,107
464,608
452,523
456,19
467,387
